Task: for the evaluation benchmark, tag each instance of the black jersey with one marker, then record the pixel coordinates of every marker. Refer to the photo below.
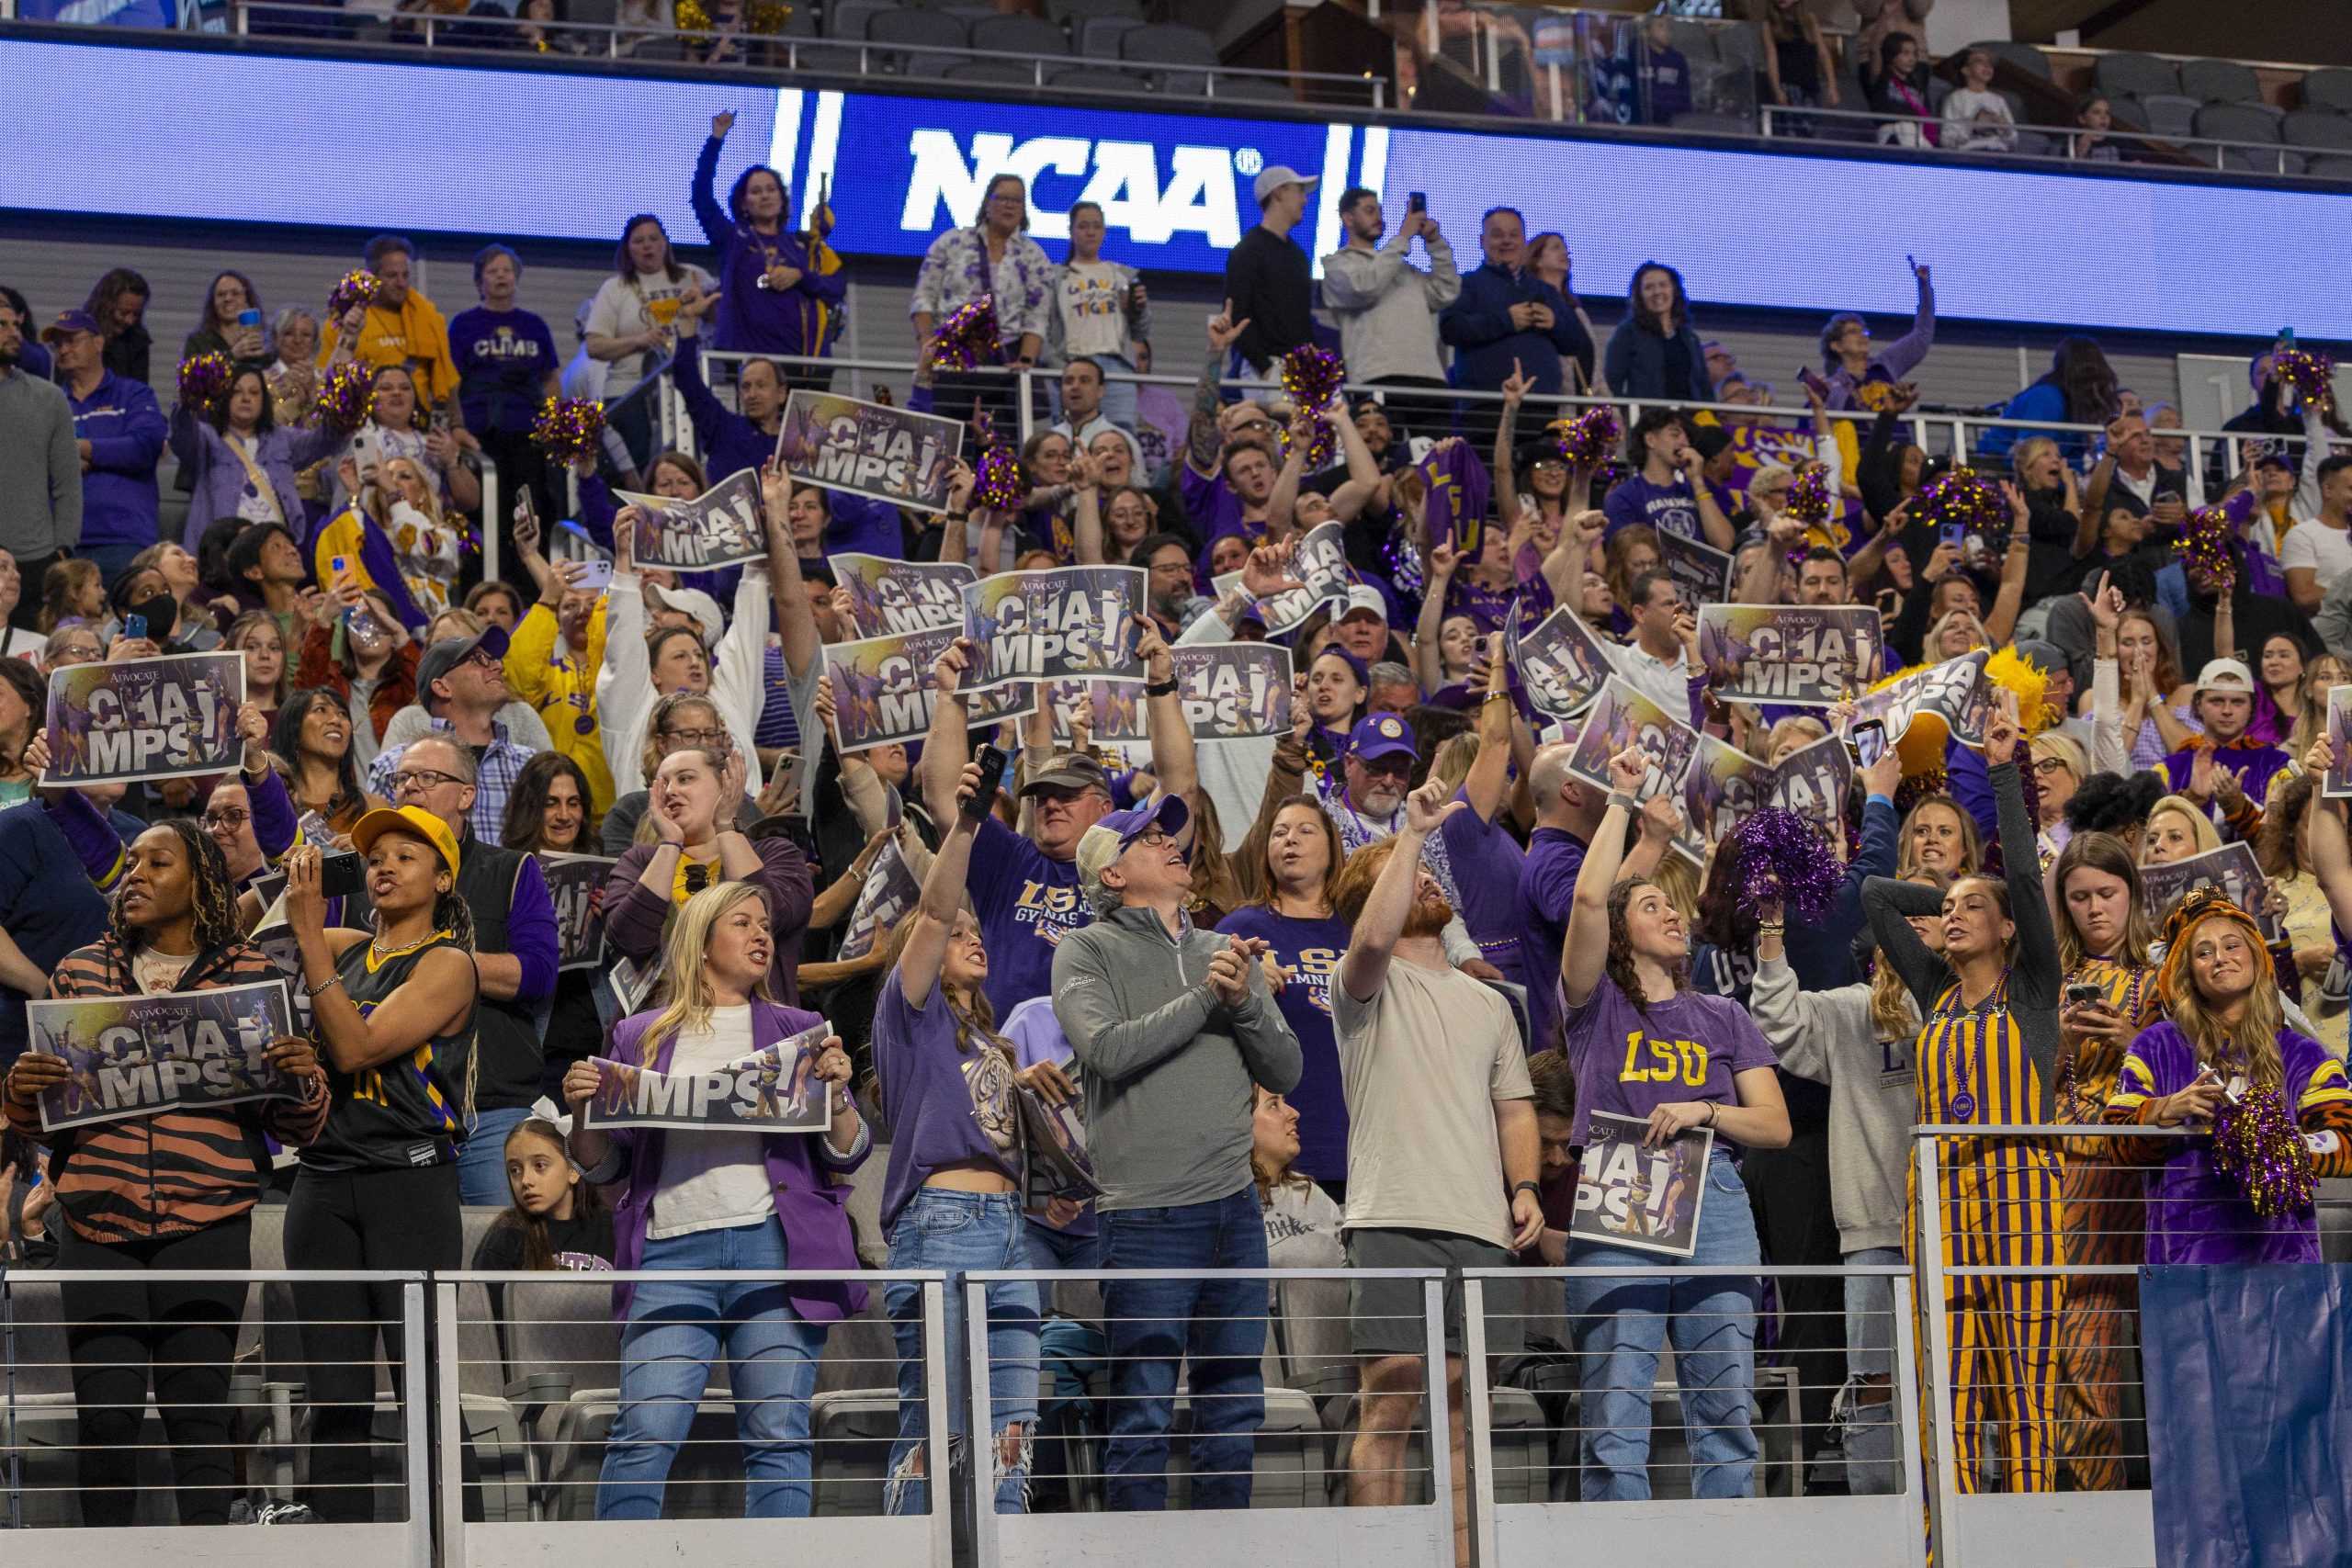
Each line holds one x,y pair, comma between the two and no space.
408,1112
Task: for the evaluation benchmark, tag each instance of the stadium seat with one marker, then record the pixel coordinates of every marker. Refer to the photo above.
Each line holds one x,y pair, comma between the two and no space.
2171,114
935,30
1098,37
854,1429
849,19
2335,1198
1256,89
2128,113
2328,89
2329,169
2241,122
2317,128
1160,46
997,72
567,1353
2024,56
1288,1460
1069,11
2135,76
2221,82
1019,35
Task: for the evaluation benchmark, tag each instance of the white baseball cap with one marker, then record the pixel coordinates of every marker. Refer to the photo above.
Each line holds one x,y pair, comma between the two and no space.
1365,599
2226,675
1273,179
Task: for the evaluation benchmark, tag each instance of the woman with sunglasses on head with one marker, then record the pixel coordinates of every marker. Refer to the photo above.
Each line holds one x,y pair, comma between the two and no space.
1631,1021
1989,1055
172,1190
2226,1040
392,1009
689,839
721,1201
2105,931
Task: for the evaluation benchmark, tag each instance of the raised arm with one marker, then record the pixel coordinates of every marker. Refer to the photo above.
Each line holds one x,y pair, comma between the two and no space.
947,746
796,620
2331,846
1889,906
1175,757
1489,777
942,898
1584,955
433,1000
1364,967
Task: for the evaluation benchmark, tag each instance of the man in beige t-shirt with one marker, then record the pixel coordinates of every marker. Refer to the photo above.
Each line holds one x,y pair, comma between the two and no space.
1443,1150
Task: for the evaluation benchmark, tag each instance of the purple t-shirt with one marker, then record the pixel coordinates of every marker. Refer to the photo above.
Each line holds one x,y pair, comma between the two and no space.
503,359
1688,1048
1027,903
946,1105
1546,887
2195,1213
1486,861
1670,508
1311,947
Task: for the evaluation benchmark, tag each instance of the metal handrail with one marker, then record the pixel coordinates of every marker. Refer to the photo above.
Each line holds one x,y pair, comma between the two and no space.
2122,135
428,27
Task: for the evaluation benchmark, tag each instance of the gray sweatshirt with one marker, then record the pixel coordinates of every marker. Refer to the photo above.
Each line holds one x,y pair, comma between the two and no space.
1827,1036
1168,1066
1387,309
40,471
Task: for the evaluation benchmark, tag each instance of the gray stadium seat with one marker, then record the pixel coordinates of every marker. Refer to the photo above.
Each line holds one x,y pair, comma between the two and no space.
935,30
849,19
1287,1458
2135,75
1020,35
2221,82
2024,56
2128,113
2329,169
566,1348
2317,128
1161,46
2171,114
1098,37
2336,1221
997,72
1068,11
2036,144
854,1430
2328,89
2241,122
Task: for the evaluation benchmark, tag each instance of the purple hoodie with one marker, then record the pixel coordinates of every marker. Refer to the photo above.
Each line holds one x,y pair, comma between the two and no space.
751,319
1896,359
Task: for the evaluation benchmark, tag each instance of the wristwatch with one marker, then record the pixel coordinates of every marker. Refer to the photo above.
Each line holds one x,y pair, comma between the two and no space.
1520,1187
1160,689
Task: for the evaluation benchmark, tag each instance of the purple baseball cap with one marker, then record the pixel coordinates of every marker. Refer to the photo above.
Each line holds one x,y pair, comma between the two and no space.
67,324
1114,831
1381,735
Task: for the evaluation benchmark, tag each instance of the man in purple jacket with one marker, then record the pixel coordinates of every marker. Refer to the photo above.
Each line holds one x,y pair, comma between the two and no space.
119,429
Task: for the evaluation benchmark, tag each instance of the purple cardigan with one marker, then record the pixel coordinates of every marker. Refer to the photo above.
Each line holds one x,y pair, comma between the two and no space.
809,1203
221,480
635,917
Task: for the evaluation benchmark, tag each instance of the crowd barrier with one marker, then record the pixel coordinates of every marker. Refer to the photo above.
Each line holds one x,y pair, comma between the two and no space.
491,1455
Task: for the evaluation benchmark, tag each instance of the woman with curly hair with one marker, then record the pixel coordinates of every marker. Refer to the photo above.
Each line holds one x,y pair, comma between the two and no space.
550,812
1647,1046
169,1190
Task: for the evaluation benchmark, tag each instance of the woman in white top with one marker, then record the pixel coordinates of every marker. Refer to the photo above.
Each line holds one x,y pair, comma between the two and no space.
630,322
1099,313
15,642
391,432
1976,118
723,1200
637,672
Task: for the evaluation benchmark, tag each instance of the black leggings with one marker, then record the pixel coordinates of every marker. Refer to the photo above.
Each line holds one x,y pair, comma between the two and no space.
128,1334
371,1219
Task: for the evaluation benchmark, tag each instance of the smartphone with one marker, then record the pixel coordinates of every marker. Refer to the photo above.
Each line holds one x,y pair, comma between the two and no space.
1953,534
1416,202
596,576
134,626
1868,741
339,565
341,874
2085,992
991,759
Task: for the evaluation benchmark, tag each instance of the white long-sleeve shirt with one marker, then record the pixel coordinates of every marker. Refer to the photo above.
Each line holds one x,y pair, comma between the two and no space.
1387,309
625,694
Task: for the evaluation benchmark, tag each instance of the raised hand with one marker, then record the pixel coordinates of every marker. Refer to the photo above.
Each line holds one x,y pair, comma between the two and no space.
2001,731
1428,806
1628,770
1516,385
1443,561
954,661
1267,571
1159,663
1222,328
721,123
2106,603
1661,818
1228,975
775,493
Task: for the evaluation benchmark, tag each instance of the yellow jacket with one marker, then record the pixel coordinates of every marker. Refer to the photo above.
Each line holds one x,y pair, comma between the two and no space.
415,335
563,689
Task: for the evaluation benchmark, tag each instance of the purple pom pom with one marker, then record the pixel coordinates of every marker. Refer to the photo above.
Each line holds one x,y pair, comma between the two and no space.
1589,439
346,395
204,379
568,428
2257,1146
1809,496
1783,861
352,289
967,336
998,484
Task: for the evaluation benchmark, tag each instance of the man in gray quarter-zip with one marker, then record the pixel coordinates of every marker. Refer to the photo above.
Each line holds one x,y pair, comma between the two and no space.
1172,1025
40,471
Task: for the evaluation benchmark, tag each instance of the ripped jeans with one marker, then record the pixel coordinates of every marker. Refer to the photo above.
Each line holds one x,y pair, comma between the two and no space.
942,1228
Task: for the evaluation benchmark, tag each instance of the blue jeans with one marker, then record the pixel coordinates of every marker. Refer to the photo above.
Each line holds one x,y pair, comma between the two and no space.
941,1228
1871,1463
1050,1248
481,1158
1153,1324
674,1332
1619,1325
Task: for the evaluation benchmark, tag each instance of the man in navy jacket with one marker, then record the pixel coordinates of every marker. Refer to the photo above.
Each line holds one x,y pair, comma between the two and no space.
1507,315
119,428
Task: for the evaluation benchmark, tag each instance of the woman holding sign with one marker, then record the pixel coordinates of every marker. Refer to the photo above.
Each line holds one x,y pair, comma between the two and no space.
393,1010
1647,1046
722,1199
1989,1055
953,1197
169,1189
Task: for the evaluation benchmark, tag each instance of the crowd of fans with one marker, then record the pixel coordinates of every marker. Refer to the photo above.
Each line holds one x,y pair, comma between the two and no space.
1350,991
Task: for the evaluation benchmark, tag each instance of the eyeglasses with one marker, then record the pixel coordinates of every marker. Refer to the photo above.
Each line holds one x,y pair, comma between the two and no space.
1253,424
486,658
227,820
694,737
2045,766
1155,836
422,778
